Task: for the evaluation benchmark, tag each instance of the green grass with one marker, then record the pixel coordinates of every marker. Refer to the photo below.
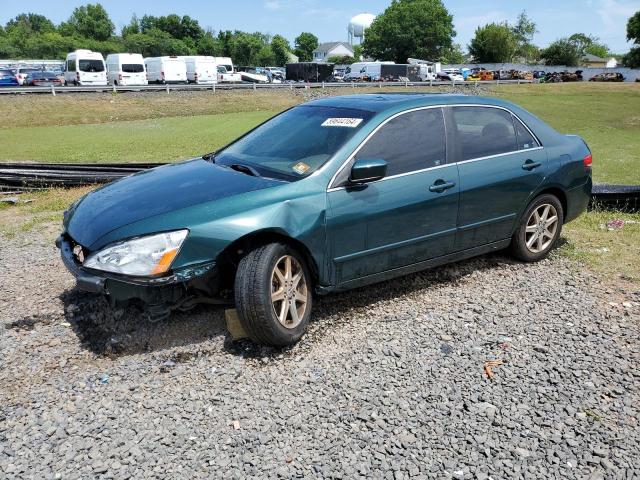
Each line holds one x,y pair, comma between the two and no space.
154,140
614,254
607,116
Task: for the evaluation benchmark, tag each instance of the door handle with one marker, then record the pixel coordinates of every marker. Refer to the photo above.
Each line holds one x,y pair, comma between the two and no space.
531,165
441,186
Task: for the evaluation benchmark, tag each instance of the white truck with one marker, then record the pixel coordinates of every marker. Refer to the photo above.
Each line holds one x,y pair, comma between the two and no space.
364,70
84,67
126,69
201,70
226,72
428,70
166,69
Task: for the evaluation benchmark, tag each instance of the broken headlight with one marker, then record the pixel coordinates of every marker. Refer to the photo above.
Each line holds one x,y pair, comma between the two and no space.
140,257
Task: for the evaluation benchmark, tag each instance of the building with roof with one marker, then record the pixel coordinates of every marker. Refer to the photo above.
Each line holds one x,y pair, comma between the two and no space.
593,61
332,49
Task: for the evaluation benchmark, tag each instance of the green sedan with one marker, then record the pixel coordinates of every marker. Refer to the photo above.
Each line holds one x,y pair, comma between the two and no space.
327,196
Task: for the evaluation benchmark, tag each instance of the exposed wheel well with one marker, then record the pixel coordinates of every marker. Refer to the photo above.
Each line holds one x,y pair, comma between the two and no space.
559,194
230,257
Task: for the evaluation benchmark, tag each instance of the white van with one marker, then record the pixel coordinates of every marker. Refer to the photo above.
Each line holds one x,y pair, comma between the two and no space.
166,69
226,72
126,69
84,67
360,70
201,70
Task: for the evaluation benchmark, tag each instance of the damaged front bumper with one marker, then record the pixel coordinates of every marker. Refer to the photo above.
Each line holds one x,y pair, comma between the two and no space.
180,290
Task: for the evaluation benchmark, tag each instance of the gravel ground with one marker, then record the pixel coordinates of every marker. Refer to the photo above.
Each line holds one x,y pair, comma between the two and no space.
390,382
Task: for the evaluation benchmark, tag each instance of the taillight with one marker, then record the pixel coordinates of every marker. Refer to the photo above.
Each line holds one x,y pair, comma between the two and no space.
162,74
588,160
78,75
120,77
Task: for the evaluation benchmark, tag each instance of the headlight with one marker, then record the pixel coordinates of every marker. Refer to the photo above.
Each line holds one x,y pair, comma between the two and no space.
142,257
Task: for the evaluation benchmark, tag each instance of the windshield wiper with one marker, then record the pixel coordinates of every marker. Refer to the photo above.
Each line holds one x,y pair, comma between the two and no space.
238,167
210,157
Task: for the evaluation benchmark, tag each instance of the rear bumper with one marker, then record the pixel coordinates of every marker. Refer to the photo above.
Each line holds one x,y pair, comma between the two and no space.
578,200
166,293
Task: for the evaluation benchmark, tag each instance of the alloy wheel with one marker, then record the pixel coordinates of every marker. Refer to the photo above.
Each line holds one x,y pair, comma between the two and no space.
289,292
541,228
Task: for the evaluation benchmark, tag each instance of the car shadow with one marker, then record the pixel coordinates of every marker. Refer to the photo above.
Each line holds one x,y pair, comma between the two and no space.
114,333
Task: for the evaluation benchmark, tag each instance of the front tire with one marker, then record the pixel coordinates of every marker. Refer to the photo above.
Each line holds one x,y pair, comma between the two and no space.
273,295
538,230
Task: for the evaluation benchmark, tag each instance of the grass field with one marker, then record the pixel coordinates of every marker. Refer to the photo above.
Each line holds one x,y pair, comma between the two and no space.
152,140
160,127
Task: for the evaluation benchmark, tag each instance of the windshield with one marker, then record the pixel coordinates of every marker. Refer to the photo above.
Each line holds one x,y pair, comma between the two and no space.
6,73
132,68
91,65
296,143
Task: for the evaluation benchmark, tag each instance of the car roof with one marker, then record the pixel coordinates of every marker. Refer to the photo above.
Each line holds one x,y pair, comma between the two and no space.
383,102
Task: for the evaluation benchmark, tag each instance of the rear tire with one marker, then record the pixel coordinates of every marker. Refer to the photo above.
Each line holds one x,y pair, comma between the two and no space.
273,295
538,230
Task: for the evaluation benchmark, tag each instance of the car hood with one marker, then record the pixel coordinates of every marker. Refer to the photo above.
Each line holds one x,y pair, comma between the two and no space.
155,192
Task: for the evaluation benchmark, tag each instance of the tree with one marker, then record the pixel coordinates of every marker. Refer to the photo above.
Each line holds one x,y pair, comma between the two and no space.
346,60
523,31
174,25
632,59
209,45
133,27
410,28
494,43
89,21
281,48
305,44
30,23
562,52
155,43
633,29
454,55
589,44
358,52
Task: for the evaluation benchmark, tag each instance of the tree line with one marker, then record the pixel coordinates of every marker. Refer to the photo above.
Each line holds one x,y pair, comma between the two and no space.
407,28
31,35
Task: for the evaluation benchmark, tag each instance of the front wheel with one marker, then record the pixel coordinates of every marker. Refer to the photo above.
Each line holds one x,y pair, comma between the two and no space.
539,229
273,295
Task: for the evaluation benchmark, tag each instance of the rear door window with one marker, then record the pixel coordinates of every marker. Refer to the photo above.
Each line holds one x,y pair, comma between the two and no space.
410,142
526,141
484,132
91,66
132,68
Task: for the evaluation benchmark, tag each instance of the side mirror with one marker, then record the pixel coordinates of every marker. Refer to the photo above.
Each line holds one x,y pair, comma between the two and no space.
366,171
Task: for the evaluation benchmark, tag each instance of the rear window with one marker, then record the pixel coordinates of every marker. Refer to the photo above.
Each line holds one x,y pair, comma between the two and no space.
484,132
6,73
132,68
91,65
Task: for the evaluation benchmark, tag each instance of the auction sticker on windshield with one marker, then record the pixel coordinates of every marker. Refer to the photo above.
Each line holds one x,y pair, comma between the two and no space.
301,168
342,122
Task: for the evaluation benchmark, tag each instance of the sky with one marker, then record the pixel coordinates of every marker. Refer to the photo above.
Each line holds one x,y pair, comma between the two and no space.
328,19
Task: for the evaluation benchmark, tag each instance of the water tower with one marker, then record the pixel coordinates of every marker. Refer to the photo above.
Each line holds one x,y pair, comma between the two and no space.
358,25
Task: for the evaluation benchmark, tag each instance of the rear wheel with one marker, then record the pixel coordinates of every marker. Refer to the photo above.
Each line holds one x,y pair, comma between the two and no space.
539,229
273,295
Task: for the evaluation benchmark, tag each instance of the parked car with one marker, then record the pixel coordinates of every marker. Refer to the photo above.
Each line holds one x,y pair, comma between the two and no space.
43,79
8,78
607,77
166,69
23,73
84,67
328,196
227,74
126,69
449,76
